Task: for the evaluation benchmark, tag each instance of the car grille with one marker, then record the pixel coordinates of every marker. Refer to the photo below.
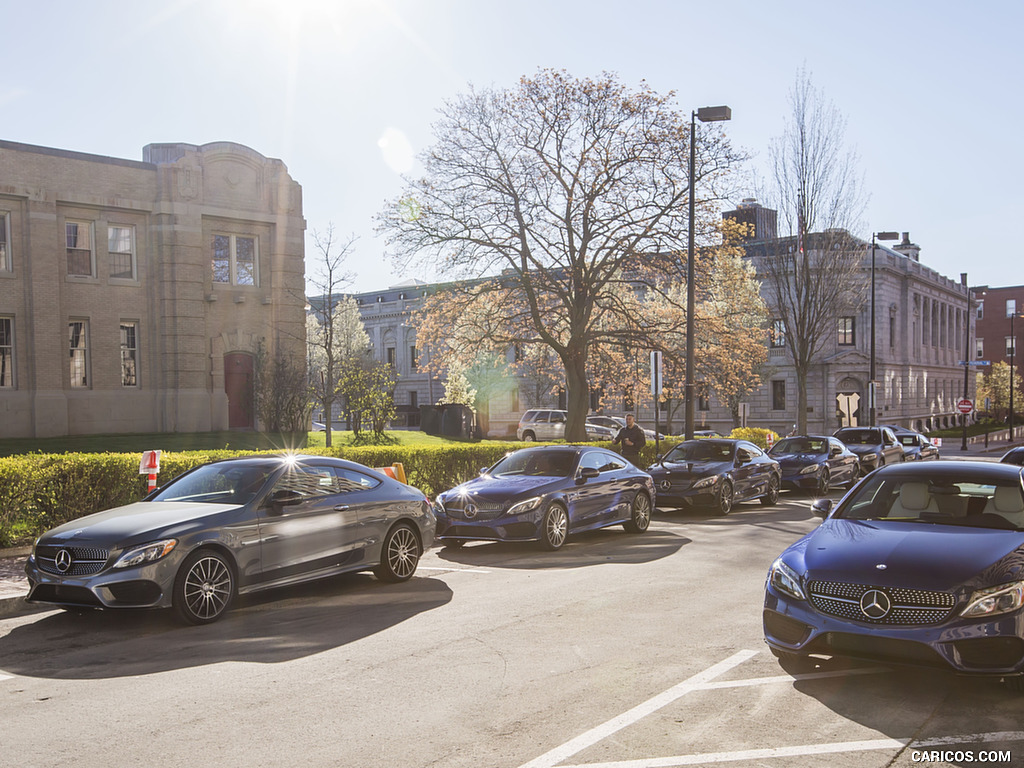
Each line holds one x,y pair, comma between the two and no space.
85,561
908,606
483,511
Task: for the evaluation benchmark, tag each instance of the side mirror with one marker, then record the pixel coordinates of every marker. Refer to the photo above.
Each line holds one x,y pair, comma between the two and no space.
821,508
483,470
587,473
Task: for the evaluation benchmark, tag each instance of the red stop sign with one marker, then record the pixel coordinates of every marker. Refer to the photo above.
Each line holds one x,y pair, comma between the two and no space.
964,405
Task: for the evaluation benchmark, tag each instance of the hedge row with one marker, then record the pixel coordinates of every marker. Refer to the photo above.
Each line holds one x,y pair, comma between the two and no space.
40,491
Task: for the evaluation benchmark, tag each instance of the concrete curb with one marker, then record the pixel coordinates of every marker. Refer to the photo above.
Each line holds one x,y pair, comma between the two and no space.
13,604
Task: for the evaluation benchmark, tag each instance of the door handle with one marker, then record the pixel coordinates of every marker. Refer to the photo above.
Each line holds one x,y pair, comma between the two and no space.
341,508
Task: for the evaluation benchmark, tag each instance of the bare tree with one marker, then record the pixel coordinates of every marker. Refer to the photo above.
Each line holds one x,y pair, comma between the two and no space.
567,191
812,277
330,336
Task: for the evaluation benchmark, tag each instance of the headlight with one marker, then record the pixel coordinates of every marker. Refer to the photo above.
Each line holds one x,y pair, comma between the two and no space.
146,553
785,579
524,506
438,505
993,601
809,470
705,482
869,456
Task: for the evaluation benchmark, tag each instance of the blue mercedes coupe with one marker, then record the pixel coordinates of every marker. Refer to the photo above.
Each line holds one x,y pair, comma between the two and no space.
545,494
920,564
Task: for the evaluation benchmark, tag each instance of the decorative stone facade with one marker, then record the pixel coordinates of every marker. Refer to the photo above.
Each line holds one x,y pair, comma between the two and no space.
133,295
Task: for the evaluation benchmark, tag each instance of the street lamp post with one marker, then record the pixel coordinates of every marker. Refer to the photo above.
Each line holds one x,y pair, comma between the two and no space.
1013,349
705,115
872,384
967,353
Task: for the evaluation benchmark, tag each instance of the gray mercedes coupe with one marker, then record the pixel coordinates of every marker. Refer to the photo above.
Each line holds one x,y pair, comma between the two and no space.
233,527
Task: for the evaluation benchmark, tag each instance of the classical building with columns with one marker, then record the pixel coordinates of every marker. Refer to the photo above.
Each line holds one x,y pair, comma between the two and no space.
134,295
924,330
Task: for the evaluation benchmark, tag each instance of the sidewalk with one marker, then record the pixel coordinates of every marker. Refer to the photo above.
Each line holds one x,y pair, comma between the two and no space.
13,584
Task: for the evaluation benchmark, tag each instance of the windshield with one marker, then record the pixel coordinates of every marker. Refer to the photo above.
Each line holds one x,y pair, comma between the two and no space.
859,436
799,445
701,450
539,462
910,440
949,501
217,483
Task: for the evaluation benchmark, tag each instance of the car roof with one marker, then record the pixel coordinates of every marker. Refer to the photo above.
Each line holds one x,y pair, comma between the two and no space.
979,471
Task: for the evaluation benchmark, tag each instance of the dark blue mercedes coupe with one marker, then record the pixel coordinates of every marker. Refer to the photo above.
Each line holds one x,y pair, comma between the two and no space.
545,494
920,564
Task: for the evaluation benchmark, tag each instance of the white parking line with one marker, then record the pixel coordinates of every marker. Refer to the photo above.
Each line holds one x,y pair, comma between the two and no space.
810,749
448,570
637,713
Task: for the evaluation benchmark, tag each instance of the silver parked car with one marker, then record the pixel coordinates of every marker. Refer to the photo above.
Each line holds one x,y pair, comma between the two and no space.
549,424
233,527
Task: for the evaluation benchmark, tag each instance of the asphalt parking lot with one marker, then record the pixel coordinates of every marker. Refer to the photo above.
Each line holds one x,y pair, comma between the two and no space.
626,651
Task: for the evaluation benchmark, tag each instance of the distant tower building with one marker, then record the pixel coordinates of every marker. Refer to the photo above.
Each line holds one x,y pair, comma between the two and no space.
908,249
762,221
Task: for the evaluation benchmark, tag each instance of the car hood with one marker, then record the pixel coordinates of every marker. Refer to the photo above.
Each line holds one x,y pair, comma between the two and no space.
689,468
490,488
133,523
914,554
859,448
797,459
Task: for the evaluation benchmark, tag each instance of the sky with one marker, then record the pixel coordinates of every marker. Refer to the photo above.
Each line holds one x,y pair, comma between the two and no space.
345,93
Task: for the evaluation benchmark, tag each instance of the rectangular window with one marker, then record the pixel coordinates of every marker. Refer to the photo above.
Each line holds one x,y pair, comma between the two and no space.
78,237
778,395
892,331
777,334
390,352
703,404
6,353
1011,307
121,251
414,398
847,331
78,338
414,358
129,354
235,260
5,242
1010,346
979,349
981,310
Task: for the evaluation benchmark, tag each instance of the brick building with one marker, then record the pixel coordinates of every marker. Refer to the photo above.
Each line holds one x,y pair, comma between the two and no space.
995,306
134,295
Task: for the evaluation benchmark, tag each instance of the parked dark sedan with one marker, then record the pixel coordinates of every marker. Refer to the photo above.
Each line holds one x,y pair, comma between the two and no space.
1014,456
815,463
917,447
233,527
716,473
546,494
921,564
874,446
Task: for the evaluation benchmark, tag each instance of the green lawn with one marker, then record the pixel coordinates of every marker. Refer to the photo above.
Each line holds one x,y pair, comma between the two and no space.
175,441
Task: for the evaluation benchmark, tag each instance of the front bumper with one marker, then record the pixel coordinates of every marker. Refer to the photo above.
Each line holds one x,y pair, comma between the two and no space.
976,647
147,586
794,481
525,527
679,492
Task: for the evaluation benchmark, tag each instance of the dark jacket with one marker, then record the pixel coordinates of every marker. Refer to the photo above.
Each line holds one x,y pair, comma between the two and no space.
635,435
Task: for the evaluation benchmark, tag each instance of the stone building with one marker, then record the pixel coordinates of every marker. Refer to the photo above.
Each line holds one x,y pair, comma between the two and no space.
923,330
134,295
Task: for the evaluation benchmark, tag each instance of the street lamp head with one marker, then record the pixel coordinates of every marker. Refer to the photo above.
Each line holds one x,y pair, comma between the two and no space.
714,114
887,235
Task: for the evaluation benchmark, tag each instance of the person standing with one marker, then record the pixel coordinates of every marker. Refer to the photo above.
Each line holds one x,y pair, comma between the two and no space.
632,439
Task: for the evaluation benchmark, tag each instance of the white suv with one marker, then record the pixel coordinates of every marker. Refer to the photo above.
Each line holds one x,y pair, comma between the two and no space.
549,424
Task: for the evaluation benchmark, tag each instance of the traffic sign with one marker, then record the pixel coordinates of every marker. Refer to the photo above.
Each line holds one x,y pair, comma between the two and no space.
965,406
975,362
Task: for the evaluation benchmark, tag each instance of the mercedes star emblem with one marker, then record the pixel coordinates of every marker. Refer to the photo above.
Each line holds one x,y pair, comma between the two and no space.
63,561
875,604
471,511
